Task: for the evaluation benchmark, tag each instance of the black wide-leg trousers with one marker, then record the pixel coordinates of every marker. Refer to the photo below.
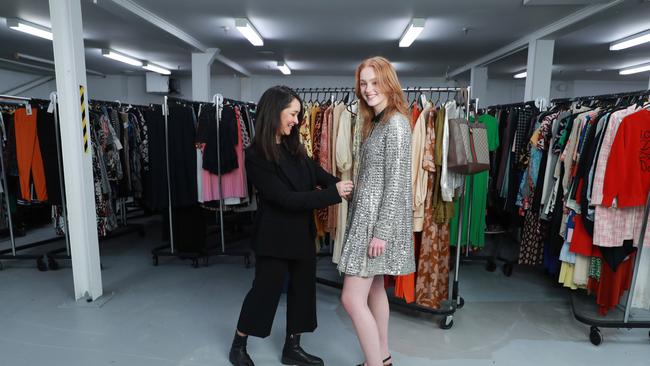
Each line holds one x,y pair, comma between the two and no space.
261,302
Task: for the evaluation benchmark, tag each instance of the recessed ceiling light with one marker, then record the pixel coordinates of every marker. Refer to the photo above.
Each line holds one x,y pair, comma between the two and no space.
282,66
29,28
635,69
631,41
594,70
246,28
521,75
412,32
120,57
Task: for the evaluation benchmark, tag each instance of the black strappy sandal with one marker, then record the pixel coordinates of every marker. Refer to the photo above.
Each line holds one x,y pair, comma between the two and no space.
384,362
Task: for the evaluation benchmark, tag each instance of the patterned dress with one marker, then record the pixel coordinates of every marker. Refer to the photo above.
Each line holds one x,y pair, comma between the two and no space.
432,284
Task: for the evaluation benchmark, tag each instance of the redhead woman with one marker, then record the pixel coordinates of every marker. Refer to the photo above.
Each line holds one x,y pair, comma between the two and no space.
378,239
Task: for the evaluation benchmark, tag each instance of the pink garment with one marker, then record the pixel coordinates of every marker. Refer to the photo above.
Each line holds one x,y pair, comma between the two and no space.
234,182
614,225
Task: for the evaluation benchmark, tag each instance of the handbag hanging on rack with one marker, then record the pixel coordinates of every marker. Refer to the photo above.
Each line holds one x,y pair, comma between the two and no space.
468,147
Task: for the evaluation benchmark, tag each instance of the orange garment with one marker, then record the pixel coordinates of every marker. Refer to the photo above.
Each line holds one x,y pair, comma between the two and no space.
415,114
405,284
612,285
28,154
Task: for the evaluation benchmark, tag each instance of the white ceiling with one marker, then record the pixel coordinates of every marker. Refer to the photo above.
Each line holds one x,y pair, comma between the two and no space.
331,37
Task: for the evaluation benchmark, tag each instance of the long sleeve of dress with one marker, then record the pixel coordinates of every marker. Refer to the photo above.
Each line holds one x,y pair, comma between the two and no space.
397,174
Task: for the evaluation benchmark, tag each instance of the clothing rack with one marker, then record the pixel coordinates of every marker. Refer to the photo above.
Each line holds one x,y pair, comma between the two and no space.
171,250
455,301
586,312
637,93
40,258
582,306
56,254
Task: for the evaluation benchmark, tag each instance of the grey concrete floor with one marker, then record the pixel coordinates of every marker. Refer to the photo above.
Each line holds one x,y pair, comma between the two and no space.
174,314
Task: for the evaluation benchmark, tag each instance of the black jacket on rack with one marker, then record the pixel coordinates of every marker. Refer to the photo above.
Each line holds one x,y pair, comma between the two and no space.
228,139
284,224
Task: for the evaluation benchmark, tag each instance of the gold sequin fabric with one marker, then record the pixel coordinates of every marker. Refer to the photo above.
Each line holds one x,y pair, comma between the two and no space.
381,205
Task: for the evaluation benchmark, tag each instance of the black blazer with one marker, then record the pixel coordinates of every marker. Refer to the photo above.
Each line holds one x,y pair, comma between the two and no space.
284,224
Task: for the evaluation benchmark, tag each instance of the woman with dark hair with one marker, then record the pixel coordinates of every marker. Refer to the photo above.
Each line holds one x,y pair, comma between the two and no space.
290,187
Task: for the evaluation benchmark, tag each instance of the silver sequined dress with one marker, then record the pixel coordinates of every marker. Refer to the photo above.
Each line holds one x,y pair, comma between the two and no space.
381,205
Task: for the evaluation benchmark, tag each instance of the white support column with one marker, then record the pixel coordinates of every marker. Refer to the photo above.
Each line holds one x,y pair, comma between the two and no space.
246,89
201,63
648,83
478,81
539,70
70,65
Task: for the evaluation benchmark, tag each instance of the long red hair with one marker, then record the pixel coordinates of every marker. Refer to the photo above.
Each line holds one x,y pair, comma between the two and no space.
389,86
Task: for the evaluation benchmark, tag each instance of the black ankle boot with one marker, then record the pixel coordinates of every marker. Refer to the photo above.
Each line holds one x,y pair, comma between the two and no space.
238,355
293,354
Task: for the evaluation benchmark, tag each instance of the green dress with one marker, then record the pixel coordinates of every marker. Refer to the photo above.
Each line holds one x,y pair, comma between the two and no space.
478,195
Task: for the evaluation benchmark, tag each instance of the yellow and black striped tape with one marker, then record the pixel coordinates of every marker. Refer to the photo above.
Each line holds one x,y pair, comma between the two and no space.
84,117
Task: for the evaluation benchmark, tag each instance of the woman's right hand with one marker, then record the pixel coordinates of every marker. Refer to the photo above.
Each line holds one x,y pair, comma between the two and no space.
345,188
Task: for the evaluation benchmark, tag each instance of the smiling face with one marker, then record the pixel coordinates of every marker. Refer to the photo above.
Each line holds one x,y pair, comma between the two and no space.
370,91
288,118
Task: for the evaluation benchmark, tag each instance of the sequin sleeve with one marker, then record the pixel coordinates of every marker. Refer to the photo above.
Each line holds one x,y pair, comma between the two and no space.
397,181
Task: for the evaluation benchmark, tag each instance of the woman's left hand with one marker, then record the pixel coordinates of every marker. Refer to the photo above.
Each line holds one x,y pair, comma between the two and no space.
376,248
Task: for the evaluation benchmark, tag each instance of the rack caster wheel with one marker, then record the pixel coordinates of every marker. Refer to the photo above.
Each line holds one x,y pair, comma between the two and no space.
155,260
247,262
40,264
460,303
52,264
195,262
447,322
595,336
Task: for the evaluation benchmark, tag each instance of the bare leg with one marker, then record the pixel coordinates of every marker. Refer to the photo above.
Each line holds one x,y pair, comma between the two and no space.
378,303
355,301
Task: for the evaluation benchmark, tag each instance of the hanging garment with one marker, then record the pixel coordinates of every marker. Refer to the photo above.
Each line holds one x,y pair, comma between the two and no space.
234,182
182,157
432,283
443,211
305,131
156,179
418,174
612,225
332,214
228,139
324,161
28,153
477,196
627,177
47,135
344,165
106,219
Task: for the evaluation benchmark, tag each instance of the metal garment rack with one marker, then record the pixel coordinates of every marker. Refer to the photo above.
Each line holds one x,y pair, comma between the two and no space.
586,311
57,254
12,253
171,250
455,301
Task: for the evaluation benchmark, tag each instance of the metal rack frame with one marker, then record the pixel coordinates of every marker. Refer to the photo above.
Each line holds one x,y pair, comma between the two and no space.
170,250
455,301
58,254
12,253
